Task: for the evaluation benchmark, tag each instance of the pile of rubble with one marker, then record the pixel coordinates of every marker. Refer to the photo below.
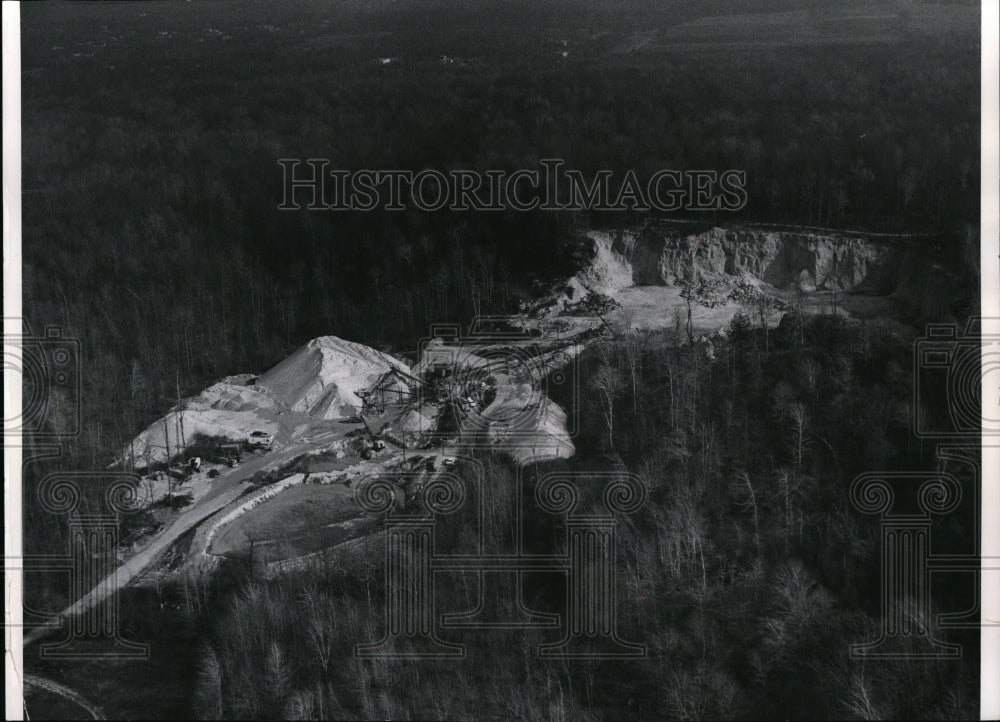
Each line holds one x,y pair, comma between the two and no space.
744,289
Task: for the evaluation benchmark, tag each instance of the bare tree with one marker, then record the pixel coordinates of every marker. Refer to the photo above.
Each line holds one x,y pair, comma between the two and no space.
689,327
763,306
633,356
208,691
708,450
801,431
677,448
792,488
746,497
810,372
279,679
605,382
859,701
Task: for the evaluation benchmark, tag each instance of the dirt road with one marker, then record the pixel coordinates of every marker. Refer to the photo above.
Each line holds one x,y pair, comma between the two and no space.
48,685
226,488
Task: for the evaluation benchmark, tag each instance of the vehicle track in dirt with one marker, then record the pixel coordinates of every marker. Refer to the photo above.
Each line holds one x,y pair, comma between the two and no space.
65,692
227,487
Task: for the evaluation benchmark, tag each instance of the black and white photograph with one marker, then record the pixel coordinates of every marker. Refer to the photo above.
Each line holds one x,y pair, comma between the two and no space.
569,360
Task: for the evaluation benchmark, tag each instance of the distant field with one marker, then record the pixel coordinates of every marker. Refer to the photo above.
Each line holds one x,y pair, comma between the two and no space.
212,36
874,24
300,520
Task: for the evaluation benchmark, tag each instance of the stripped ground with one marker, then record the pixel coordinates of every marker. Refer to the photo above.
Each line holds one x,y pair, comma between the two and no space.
300,520
651,308
75,699
495,385
226,488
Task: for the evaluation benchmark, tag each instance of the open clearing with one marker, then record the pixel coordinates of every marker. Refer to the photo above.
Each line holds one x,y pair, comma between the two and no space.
654,308
300,520
819,26
313,399
650,308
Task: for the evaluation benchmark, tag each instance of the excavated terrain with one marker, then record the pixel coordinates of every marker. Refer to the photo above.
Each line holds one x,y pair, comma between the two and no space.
475,392
649,276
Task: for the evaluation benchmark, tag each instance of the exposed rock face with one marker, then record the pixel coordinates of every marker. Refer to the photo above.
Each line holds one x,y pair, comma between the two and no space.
613,264
783,259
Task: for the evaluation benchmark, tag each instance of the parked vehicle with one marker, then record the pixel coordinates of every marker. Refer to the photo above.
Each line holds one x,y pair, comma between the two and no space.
231,454
260,439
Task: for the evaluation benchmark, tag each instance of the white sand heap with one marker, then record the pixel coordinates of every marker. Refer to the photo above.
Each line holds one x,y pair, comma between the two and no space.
323,377
540,437
223,409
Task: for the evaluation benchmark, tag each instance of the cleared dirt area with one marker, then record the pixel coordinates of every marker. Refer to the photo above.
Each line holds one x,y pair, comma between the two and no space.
742,269
224,490
300,520
651,308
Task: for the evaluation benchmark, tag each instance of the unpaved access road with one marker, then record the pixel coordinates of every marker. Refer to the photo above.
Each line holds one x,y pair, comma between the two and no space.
48,685
226,488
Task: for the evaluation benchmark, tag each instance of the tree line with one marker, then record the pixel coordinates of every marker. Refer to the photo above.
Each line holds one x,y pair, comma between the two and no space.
748,574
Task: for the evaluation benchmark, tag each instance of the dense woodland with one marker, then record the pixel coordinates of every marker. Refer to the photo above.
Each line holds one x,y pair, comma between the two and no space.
748,574
151,233
151,180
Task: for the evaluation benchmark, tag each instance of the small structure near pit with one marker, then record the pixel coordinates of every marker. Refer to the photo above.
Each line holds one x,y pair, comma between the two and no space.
395,386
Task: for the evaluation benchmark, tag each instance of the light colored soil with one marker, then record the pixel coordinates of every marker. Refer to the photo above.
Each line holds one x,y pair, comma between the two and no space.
652,308
297,521
323,377
224,490
65,692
